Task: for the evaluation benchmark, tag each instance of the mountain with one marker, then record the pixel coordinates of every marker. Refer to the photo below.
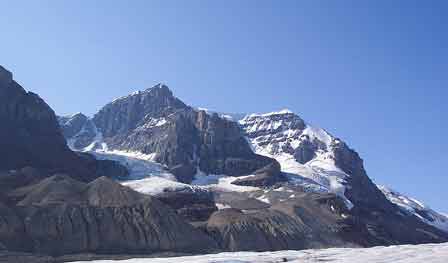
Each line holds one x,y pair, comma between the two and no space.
289,166
326,163
313,153
182,138
149,173
55,201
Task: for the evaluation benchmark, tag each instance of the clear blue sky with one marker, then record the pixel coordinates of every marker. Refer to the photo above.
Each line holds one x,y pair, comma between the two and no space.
373,73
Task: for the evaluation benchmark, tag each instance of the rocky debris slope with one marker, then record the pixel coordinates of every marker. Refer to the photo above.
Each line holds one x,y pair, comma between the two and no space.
61,216
311,220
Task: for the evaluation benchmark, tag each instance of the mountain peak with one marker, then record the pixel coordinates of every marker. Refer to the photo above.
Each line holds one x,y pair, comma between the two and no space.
159,90
5,75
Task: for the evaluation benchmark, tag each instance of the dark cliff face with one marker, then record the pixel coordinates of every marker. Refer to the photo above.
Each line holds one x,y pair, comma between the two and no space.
362,192
125,114
184,139
30,135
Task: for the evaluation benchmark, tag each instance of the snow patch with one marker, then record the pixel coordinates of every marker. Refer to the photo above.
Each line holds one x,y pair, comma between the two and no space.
222,206
156,185
284,111
139,165
220,182
318,134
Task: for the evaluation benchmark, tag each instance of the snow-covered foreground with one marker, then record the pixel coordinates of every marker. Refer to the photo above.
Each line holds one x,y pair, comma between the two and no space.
431,253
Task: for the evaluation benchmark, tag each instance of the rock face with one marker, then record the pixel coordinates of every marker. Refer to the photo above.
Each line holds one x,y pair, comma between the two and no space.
362,191
30,133
60,216
184,139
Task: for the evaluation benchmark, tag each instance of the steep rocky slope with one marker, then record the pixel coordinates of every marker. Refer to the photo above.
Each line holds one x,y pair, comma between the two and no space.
30,135
61,216
182,138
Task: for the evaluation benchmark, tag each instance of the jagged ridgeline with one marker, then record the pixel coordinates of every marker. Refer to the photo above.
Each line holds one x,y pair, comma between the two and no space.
149,173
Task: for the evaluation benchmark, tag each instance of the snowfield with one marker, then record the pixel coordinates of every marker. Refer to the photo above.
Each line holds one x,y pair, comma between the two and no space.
429,253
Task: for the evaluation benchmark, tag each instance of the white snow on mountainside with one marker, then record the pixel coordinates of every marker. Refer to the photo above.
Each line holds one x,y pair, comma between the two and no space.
417,208
279,134
429,253
149,177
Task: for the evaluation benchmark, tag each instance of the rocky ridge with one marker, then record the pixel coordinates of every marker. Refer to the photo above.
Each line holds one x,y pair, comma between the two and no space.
182,138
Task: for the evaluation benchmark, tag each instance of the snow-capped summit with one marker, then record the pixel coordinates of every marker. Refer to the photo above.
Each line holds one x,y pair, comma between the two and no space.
302,150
